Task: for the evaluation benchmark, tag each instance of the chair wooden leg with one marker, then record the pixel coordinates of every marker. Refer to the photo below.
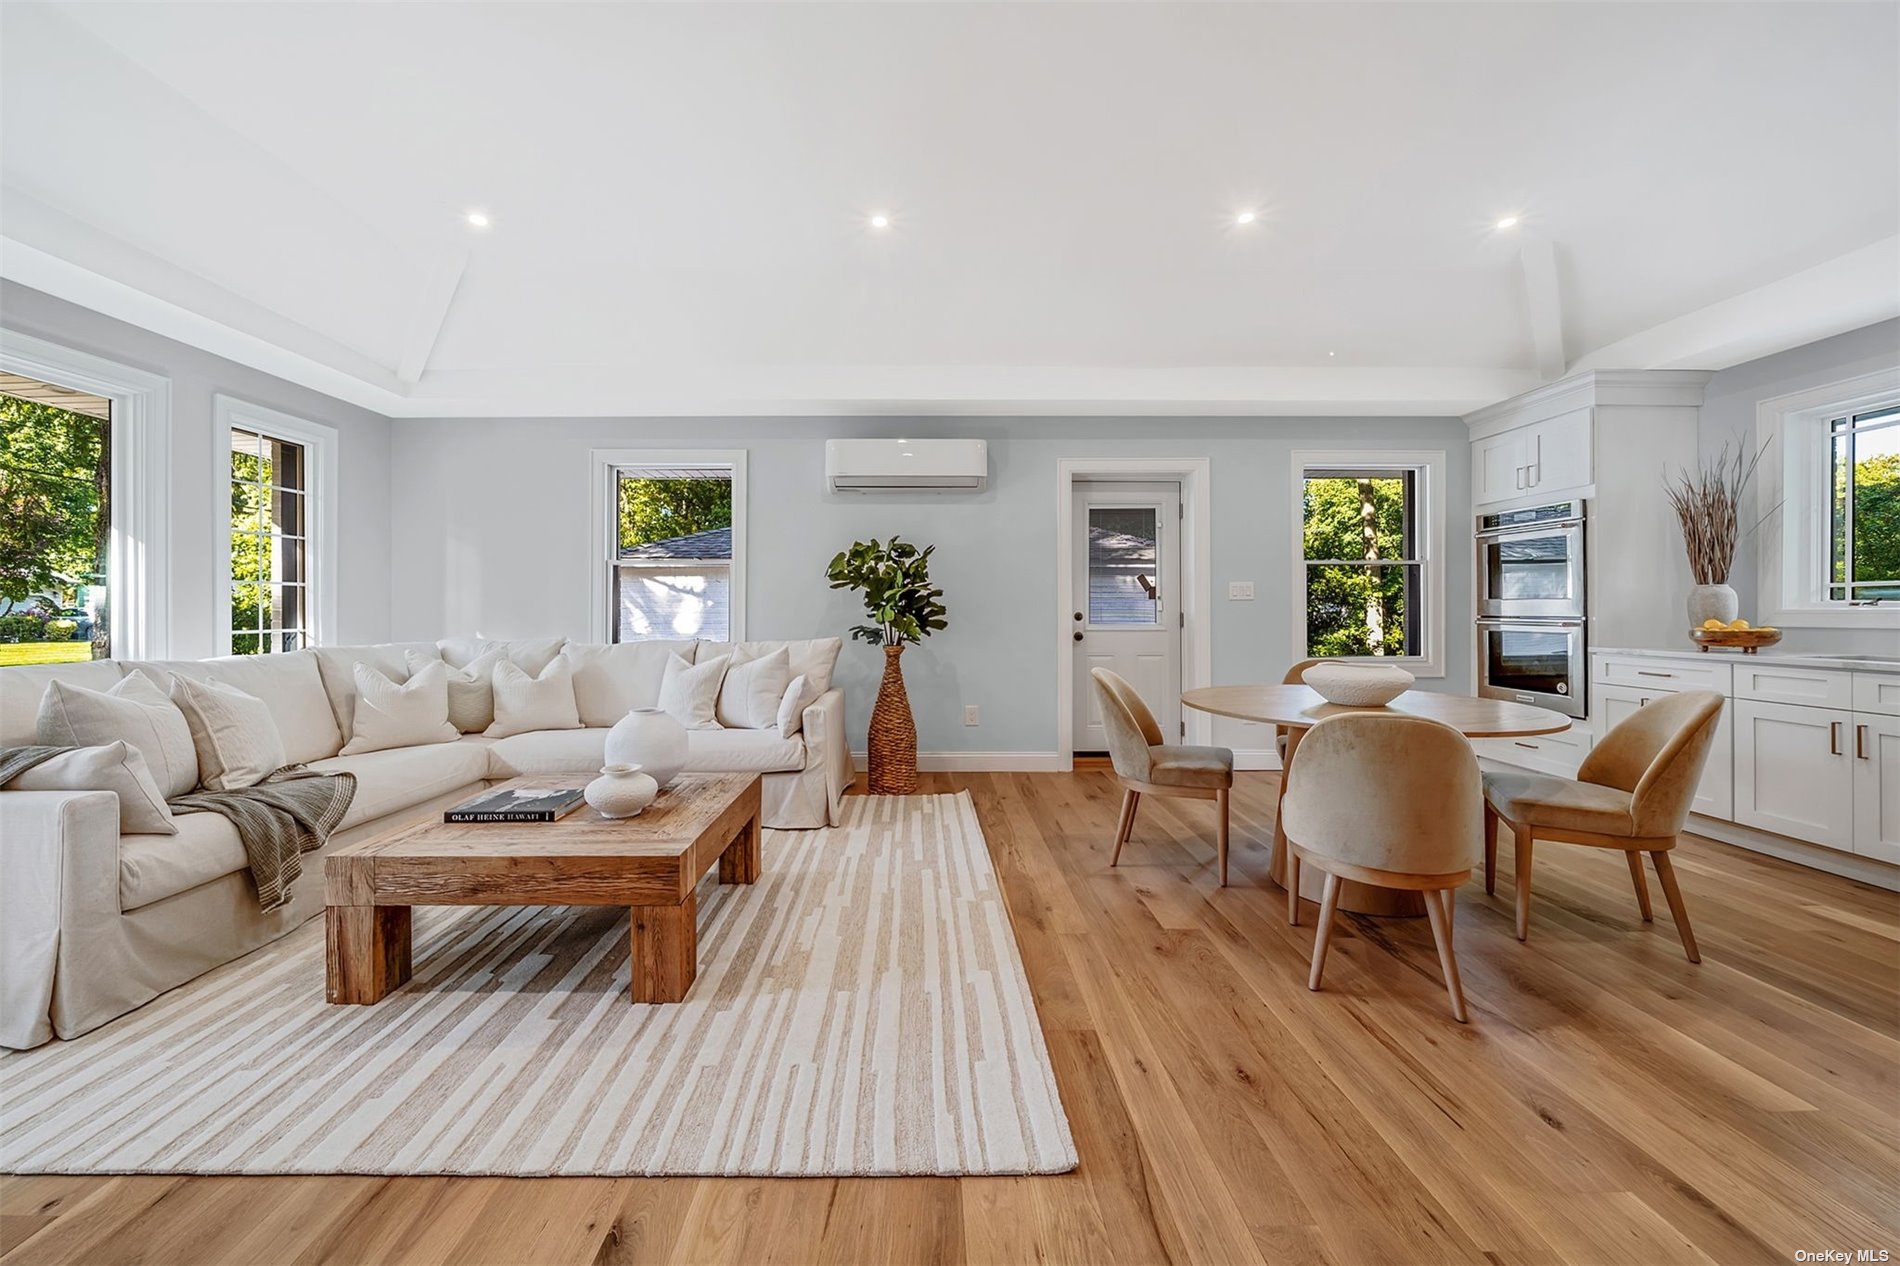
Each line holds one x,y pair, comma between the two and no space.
1438,909
1666,873
1642,885
1221,799
1490,849
1292,888
1130,798
1523,861
1322,941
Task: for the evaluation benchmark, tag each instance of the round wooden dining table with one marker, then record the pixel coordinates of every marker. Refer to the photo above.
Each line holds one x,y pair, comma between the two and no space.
1297,709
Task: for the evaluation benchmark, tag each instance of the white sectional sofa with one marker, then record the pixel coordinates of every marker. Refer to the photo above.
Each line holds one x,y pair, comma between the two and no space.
93,923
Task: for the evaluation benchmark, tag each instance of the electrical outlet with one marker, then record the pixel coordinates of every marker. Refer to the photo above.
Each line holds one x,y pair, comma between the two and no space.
970,715
1240,591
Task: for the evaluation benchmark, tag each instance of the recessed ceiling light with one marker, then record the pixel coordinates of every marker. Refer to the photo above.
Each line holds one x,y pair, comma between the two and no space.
1508,222
1332,353
1245,217
477,219
880,221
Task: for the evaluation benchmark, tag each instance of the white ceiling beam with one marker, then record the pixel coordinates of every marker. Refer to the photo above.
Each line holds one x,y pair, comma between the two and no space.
1537,257
431,310
1845,293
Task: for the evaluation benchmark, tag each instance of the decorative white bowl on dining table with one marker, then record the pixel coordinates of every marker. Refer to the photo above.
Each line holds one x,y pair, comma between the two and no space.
1358,685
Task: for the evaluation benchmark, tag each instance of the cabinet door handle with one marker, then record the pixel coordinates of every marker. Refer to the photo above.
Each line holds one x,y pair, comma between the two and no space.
1860,743
1834,738
1650,672
1520,476
1532,746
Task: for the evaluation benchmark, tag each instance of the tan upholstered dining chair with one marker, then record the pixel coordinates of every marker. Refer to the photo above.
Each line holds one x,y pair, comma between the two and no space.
1390,800
1295,676
1146,766
1632,792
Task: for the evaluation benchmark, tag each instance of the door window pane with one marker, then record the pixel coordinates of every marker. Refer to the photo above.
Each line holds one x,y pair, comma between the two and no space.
55,523
1124,580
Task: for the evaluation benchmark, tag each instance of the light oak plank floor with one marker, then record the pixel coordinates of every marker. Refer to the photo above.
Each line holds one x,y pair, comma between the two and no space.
1609,1102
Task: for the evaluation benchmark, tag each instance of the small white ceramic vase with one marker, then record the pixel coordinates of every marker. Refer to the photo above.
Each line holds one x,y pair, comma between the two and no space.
1358,685
1712,602
651,739
621,791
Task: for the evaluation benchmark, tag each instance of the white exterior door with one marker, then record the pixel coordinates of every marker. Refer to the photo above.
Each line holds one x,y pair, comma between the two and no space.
1127,600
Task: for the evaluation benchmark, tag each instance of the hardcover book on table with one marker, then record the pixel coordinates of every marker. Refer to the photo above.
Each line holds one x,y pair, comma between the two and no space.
517,806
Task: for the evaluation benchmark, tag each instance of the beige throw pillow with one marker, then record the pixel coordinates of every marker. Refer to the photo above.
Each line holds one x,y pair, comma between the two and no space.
116,767
471,688
136,710
750,694
791,707
524,703
689,693
237,742
413,713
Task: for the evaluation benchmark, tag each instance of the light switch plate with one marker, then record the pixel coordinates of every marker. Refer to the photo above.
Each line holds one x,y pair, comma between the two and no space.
970,714
1240,591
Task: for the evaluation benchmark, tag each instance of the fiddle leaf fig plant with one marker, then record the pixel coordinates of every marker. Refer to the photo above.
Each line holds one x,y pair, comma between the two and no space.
898,596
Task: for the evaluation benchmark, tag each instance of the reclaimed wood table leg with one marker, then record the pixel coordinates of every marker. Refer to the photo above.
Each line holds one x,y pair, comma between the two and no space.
366,951
739,864
665,950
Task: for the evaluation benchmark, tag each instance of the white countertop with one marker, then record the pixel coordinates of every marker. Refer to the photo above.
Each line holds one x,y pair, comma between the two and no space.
1790,659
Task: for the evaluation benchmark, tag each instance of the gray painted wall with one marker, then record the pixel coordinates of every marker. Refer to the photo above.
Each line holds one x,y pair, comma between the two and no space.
196,376
1728,416
496,540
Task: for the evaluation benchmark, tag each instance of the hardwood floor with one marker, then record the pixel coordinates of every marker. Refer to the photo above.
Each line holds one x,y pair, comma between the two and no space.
1609,1101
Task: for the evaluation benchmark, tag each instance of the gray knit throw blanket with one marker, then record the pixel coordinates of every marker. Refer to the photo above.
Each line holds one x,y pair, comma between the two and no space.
292,812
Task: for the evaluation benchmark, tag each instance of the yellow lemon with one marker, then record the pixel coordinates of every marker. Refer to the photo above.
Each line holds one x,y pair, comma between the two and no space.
1713,623
1738,624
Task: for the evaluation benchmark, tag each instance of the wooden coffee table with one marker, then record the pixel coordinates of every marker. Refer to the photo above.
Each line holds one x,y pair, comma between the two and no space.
650,864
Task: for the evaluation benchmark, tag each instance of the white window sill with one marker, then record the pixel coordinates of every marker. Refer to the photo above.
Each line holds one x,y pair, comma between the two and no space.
1881,617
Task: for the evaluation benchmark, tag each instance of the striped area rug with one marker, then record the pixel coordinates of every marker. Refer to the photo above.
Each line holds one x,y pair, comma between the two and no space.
860,1010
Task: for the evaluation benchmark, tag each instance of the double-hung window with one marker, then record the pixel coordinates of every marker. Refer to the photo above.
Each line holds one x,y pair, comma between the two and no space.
675,545
1863,506
275,525
1369,573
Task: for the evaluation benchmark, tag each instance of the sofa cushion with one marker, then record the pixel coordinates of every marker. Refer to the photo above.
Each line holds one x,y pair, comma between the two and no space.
22,688
237,742
690,692
134,709
471,688
525,703
532,653
814,658
116,767
154,867
612,680
288,683
397,777
545,752
337,666
742,752
750,695
412,714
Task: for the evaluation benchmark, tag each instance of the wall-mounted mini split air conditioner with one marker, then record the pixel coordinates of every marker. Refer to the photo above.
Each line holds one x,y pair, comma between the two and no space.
906,465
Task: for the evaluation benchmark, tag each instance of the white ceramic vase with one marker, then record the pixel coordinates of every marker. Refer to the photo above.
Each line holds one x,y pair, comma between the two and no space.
621,791
651,739
1712,602
1358,685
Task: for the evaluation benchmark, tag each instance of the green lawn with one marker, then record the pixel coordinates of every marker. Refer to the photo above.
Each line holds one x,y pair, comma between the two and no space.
44,652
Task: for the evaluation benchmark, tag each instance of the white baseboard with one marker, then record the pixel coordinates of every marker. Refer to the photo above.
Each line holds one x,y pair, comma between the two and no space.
979,762
1833,861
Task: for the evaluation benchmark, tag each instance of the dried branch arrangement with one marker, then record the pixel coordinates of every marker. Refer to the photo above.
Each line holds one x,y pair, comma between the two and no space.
1708,506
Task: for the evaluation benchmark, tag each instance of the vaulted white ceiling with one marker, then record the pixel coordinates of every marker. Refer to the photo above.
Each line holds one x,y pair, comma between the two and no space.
679,196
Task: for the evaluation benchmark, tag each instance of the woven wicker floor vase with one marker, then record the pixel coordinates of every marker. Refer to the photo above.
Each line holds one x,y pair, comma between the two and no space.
893,740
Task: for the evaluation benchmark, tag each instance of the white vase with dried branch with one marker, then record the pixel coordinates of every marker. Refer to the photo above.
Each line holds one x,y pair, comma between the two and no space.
1708,507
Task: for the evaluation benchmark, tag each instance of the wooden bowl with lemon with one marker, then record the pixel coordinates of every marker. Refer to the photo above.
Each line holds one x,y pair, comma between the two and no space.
1736,633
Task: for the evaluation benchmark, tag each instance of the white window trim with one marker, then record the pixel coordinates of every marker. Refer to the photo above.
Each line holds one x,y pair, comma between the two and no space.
1432,491
139,557
604,465
1791,488
320,501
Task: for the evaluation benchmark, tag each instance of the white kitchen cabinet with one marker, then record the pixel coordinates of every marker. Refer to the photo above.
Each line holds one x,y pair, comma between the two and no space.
1657,673
1558,754
1877,785
1497,467
1715,794
1794,771
1548,457
1810,687
1877,692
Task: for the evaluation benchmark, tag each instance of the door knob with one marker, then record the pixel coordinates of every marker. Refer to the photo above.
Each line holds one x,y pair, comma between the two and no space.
1078,635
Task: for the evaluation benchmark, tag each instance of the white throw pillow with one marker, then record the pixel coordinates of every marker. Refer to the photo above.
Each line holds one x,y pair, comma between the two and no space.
136,710
524,703
689,693
237,742
750,695
471,688
412,714
791,707
116,767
